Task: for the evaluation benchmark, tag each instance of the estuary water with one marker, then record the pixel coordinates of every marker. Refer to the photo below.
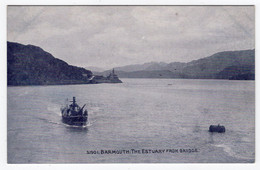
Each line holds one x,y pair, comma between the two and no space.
138,121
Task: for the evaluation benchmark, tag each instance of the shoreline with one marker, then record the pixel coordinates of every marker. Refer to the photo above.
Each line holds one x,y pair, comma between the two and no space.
82,83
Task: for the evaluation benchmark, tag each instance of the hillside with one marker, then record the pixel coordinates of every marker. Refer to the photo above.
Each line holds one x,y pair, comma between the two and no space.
233,65
150,74
31,65
212,66
140,67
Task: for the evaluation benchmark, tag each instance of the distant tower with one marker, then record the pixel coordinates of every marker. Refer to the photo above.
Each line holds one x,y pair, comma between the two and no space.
113,77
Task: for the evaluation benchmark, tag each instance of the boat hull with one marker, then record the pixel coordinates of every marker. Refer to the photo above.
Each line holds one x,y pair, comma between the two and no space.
74,115
75,121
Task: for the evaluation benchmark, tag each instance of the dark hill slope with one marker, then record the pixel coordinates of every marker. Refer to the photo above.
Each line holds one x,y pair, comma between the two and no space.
31,65
244,72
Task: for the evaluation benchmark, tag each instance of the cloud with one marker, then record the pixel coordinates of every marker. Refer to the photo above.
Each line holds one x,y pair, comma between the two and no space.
109,36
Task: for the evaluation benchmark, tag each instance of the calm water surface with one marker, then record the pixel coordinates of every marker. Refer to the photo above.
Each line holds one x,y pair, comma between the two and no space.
137,114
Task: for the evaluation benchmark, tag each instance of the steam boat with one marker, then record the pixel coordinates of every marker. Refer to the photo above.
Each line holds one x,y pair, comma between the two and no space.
74,115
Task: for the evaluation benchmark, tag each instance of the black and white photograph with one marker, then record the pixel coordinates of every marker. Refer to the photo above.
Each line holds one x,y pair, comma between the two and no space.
97,84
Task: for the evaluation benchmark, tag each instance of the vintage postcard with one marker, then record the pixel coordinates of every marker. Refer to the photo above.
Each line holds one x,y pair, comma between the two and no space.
130,84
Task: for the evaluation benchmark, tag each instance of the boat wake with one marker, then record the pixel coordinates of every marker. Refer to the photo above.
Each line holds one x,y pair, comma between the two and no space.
54,109
81,127
93,110
230,151
74,126
55,123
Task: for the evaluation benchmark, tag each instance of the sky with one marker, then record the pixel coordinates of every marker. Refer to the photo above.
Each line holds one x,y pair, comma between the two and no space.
112,36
